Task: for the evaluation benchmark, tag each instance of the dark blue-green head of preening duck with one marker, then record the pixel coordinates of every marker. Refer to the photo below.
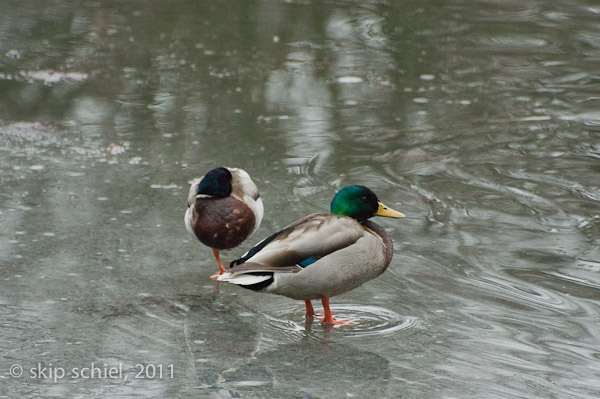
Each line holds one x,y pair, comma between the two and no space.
216,183
224,208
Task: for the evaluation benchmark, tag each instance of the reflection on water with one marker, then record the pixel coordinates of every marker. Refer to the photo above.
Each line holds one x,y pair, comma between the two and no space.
309,369
478,120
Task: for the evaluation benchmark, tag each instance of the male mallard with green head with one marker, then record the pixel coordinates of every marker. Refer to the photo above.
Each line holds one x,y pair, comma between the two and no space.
321,255
224,208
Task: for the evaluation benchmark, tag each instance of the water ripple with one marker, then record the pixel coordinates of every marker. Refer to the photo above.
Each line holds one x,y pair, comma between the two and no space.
512,42
525,293
370,320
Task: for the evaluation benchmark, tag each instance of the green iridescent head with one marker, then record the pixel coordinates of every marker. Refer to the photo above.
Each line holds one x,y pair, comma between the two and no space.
360,203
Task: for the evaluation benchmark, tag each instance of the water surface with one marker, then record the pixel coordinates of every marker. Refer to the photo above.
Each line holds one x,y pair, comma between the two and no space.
479,120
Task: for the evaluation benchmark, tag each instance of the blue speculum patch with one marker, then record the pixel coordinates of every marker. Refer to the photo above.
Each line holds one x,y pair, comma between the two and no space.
308,261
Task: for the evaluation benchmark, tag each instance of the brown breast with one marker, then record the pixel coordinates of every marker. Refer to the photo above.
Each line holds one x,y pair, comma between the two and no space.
222,223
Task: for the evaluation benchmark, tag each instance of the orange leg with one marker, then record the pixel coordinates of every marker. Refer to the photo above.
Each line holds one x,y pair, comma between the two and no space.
329,316
310,311
221,268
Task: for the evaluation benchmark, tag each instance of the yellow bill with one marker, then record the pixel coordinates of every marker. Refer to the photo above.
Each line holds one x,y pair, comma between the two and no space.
384,210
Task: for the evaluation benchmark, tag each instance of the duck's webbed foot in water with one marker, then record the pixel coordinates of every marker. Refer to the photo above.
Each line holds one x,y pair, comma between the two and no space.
328,319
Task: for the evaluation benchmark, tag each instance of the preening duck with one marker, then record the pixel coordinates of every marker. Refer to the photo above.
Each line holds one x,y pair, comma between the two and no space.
224,208
321,255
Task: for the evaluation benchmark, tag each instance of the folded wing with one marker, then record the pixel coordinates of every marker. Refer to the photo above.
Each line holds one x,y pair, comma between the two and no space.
295,247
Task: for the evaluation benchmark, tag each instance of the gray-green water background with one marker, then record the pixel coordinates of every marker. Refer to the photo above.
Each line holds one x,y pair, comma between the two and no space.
478,119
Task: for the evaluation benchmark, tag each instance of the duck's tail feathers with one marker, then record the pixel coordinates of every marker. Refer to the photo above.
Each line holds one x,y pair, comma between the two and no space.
255,276
245,279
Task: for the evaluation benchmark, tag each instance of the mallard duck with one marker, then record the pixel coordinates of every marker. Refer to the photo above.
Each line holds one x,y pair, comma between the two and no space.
321,255
224,208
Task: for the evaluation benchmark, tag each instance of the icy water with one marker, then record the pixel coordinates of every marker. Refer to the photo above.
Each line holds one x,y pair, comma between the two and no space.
480,120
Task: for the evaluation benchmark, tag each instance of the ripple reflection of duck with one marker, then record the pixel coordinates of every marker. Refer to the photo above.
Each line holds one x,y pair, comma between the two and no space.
350,372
